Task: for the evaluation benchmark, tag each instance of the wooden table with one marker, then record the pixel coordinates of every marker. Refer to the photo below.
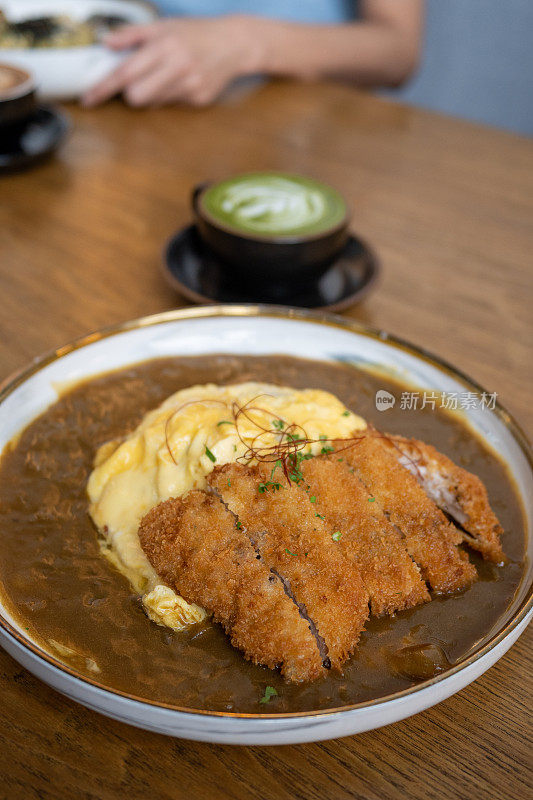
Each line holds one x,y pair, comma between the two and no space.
449,207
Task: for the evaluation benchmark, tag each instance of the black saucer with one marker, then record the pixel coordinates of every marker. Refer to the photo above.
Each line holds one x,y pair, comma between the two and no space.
33,140
198,275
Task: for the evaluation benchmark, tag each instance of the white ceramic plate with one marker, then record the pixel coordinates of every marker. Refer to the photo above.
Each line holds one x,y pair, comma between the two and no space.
65,73
260,331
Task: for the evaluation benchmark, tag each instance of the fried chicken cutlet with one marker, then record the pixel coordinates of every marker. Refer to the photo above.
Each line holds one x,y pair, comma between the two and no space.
289,556
196,546
365,535
284,525
430,539
459,493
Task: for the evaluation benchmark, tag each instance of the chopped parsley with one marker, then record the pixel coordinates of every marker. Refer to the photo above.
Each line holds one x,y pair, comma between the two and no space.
224,422
278,424
312,499
295,459
238,524
346,413
320,516
326,450
289,552
371,499
274,468
296,474
266,486
270,692
336,536
209,454
229,482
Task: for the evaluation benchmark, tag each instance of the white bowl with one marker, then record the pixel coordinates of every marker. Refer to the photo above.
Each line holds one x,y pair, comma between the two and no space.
65,73
255,330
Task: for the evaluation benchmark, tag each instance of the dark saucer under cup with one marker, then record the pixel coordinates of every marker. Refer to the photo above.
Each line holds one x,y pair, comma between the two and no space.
31,141
29,132
192,269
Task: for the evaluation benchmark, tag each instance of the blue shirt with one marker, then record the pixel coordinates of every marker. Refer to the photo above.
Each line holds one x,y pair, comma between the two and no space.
295,10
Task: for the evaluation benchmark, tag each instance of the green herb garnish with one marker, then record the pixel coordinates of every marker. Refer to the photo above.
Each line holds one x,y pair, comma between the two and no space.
229,482
326,450
289,552
278,424
336,536
267,486
274,468
295,459
312,499
224,422
270,692
371,499
345,413
296,475
238,524
320,516
209,454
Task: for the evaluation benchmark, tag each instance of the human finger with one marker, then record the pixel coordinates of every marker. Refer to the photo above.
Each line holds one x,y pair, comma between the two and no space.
151,88
131,35
137,65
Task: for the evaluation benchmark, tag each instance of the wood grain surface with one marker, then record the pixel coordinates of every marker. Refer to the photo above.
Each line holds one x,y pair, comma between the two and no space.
449,208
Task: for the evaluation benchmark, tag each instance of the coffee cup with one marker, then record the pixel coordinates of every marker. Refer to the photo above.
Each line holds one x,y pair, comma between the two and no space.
17,95
272,227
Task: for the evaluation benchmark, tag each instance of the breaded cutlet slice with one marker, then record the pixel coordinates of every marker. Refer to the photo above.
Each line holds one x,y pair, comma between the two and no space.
390,576
430,538
283,525
195,546
456,491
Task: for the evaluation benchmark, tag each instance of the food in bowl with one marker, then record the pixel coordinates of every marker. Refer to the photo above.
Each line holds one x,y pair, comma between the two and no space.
174,449
56,31
69,596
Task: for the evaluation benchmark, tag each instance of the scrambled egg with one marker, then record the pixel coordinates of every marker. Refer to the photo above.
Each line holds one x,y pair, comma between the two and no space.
173,450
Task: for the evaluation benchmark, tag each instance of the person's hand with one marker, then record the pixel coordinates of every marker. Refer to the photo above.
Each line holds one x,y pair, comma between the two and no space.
179,60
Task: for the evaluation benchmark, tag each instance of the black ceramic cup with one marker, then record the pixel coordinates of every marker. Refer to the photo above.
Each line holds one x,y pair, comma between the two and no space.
264,257
17,96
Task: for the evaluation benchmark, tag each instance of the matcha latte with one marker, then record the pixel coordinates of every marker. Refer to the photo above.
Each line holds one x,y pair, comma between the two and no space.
271,204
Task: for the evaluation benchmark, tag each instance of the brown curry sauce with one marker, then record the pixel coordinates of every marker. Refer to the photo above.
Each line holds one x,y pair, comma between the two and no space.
59,587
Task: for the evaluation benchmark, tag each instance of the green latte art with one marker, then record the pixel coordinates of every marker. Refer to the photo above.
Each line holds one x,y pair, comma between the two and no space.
274,204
